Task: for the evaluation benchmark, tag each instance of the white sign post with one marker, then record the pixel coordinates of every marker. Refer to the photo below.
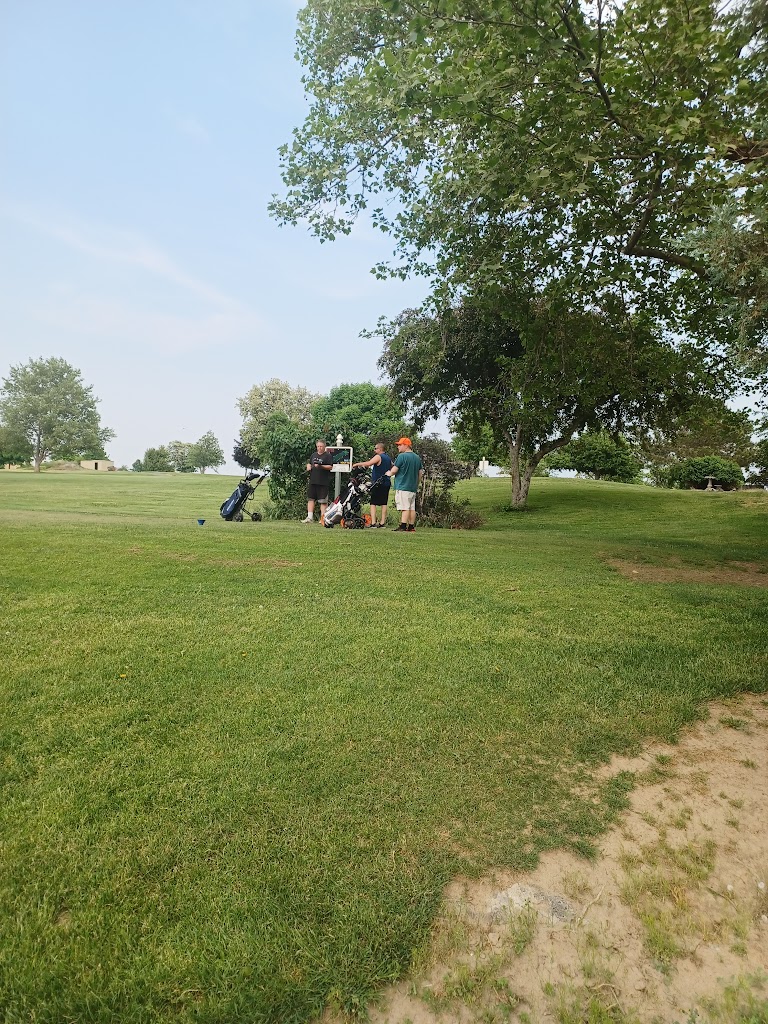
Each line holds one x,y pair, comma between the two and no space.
342,461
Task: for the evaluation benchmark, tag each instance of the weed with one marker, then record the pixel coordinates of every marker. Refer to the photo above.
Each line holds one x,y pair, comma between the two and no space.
740,724
575,885
682,819
742,1002
522,928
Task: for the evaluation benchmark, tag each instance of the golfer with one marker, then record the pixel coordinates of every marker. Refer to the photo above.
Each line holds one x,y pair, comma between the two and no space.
319,469
407,471
380,483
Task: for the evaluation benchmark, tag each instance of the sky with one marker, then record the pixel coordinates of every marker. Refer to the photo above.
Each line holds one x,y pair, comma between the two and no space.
138,153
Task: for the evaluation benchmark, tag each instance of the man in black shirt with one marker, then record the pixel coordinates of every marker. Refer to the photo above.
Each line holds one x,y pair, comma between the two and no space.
319,469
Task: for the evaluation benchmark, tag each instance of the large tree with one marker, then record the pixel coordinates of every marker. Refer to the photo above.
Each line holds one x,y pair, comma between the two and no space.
621,145
263,401
46,402
538,374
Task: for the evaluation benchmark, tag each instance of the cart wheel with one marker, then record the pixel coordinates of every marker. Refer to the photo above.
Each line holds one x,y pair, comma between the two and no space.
256,517
238,518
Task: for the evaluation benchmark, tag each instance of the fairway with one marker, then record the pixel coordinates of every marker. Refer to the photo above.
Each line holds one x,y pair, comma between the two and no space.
240,762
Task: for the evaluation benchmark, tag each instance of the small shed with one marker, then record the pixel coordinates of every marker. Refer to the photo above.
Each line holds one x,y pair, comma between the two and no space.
97,464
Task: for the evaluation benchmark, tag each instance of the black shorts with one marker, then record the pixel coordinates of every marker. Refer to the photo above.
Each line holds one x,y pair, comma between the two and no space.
379,493
318,492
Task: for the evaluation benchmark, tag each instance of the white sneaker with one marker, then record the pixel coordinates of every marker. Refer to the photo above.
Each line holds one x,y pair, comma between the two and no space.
309,519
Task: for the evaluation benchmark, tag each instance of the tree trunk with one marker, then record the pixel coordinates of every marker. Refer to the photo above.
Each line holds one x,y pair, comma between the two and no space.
520,485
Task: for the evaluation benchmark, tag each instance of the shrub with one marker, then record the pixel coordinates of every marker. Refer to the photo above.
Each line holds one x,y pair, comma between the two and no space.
441,510
694,473
286,447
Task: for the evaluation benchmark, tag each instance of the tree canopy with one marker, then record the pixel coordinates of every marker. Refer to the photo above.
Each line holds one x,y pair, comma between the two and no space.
178,453
156,460
206,453
619,148
262,401
707,427
14,447
363,413
598,454
46,402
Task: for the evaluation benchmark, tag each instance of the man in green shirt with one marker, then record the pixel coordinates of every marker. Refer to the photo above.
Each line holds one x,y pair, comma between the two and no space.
407,472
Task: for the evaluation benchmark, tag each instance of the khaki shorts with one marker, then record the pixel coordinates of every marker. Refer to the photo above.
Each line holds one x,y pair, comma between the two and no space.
405,500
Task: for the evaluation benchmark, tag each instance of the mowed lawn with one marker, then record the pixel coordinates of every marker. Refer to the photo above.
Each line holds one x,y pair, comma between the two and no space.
241,761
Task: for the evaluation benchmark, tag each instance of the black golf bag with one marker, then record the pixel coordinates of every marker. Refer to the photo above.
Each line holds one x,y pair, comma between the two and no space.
346,508
233,510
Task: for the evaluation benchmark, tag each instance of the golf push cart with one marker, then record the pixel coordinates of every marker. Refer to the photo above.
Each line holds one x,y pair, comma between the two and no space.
233,510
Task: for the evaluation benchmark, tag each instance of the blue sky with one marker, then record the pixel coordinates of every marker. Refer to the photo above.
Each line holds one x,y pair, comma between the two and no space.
139,152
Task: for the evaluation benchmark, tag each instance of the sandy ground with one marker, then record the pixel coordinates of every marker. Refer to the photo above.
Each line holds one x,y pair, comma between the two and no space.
668,924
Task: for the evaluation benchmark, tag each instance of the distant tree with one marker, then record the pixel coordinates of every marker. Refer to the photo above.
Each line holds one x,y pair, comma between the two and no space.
262,401
178,453
362,413
598,454
156,460
694,473
473,442
708,427
206,453
15,449
46,402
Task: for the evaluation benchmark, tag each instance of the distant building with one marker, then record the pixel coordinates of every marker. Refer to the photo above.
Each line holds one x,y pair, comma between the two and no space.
97,464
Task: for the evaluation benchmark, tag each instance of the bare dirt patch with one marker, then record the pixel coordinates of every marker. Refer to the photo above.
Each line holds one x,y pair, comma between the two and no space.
668,924
739,574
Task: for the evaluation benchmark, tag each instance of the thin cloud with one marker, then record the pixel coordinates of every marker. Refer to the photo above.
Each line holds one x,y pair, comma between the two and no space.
118,246
193,129
149,330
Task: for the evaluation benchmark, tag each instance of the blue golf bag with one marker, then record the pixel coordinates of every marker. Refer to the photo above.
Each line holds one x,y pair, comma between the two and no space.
233,510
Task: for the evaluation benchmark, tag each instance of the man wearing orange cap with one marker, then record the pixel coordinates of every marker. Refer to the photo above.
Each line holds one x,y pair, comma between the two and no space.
407,472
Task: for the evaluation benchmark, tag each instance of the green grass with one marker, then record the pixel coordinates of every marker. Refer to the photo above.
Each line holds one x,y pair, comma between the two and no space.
240,762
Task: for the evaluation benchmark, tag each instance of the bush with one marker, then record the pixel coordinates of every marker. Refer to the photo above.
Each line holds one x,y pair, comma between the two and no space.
694,473
441,510
286,447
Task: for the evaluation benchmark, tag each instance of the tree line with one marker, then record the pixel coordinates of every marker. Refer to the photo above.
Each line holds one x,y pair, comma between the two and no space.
182,456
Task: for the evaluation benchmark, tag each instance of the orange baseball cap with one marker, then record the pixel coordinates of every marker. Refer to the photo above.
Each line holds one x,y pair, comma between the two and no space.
405,440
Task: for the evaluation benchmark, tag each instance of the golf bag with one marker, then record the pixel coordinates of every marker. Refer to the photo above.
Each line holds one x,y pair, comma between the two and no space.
346,508
233,510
